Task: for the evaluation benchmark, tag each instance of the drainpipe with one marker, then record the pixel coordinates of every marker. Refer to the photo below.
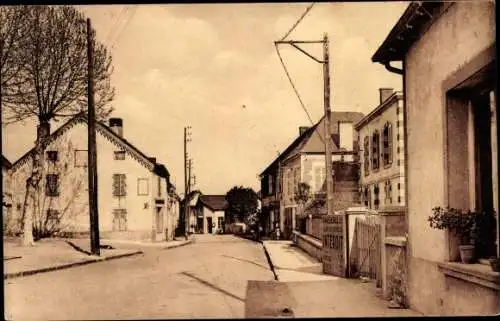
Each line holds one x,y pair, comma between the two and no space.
395,70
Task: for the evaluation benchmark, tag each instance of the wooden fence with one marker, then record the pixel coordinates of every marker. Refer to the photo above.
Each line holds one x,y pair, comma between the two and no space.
365,259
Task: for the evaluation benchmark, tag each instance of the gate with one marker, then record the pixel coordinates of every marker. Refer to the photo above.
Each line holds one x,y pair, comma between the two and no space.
366,259
334,245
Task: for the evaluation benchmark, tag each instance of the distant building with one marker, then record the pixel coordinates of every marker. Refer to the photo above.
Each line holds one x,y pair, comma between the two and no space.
207,213
133,198
381,154
448,54
303,161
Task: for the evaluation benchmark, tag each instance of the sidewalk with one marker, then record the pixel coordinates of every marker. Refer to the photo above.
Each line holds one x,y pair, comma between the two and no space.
304,289
56,253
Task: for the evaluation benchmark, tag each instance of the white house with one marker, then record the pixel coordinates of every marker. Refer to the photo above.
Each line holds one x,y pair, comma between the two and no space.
133,198
382,152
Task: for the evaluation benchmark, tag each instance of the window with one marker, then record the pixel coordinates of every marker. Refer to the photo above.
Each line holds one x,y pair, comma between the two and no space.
388,192
387,144
159,186
376,200
142,187
119,185
270,184
119,219
399,199
81,158
375,150
366,151
290,183
52,185
52,156
119,155
220,222
319,178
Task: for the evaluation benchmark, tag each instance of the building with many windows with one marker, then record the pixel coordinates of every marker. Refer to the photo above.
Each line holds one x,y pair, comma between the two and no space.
134,191
381,154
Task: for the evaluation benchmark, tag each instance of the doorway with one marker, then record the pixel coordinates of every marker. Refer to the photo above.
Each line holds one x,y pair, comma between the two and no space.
209,225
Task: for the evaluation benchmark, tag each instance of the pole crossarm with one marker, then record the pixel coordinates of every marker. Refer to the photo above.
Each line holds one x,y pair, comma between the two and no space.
308,54
298,41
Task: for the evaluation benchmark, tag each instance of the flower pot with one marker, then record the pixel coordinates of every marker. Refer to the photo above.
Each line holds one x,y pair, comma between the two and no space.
466,253
495,264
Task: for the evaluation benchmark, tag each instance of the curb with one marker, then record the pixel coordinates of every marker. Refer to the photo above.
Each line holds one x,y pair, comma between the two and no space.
178,245
276,276
69,265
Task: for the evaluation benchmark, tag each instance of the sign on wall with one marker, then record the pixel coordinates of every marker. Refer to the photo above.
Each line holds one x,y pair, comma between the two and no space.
334,245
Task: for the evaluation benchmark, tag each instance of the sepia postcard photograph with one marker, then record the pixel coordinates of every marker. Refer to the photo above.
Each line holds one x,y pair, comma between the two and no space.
167,160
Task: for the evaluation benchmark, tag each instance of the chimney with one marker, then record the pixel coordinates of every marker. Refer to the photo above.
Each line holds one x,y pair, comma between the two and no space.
385,93
302,129
346,135
116,125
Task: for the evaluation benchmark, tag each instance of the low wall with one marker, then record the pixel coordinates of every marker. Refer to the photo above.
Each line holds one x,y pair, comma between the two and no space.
396,282
310,245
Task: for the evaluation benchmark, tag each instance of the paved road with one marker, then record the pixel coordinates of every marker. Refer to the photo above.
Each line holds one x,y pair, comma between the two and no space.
205,279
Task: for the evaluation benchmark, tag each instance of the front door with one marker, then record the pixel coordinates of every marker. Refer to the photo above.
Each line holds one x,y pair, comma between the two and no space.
159,224
209,225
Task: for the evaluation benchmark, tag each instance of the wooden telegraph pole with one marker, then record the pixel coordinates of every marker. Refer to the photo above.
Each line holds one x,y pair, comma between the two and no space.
328,147
92,153
326,78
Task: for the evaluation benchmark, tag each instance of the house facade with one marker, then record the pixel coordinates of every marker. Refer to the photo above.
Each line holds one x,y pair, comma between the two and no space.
447,50
133,198
381,154
304,162
214,208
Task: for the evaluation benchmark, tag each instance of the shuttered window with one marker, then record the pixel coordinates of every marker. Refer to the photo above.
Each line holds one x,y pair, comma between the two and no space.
119,185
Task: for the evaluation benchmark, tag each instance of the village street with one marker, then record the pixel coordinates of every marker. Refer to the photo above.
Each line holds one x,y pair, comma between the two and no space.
205,279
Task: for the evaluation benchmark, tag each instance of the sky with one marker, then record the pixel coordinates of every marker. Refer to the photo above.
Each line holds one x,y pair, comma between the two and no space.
214,67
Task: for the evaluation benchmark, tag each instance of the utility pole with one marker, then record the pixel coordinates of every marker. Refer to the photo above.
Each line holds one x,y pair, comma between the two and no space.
326,79
328,147
186,183
91,152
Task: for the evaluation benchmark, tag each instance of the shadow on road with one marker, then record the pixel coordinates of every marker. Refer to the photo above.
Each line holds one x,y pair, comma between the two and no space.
247,261
213,286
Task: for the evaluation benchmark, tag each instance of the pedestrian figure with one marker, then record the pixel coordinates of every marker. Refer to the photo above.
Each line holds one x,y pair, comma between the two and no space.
277,233
260,233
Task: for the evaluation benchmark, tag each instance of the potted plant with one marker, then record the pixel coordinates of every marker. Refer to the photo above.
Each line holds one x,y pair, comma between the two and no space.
495,263
462,223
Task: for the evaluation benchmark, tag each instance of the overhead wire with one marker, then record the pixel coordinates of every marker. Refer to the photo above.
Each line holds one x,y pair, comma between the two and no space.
298,21
286,69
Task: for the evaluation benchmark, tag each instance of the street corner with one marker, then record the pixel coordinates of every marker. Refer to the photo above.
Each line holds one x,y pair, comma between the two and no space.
269,299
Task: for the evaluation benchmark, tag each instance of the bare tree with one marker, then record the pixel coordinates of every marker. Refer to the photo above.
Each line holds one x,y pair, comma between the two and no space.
50,79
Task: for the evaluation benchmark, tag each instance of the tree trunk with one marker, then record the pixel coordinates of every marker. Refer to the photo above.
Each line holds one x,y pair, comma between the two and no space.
33,182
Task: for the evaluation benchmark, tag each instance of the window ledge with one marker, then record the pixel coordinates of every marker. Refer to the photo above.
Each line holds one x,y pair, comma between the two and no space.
474,273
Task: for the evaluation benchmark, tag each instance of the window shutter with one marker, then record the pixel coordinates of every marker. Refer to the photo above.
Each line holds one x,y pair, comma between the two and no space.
390,144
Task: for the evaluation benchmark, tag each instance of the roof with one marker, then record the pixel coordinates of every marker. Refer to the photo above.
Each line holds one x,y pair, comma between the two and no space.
304,135
414,21
110,135
5,162
397,95
310,143
214,202
315,144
